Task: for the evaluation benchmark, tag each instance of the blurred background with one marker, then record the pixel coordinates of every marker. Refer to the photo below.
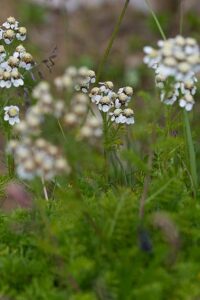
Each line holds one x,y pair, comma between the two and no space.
77,31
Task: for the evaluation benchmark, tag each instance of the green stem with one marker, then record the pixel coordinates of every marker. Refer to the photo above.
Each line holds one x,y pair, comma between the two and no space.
61,130
156,20
100,68
112,39
105,144
11,166
44,189
168,119
191,152
9,157
181,17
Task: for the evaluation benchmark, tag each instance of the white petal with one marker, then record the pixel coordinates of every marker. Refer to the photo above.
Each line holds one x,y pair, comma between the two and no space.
117,103
130,120
182,103
147,49
105,108
8,84
12,121
2,84
120,90
160,43
113,118
21,81
189,106
15,83
7,41
6,117
97,98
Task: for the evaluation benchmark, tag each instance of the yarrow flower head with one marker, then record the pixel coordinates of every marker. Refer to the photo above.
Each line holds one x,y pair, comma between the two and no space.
37,158
34,156
113,103
176,61
12,65
11,114
79,79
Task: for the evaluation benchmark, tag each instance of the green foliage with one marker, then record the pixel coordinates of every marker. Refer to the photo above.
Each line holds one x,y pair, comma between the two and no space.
93,247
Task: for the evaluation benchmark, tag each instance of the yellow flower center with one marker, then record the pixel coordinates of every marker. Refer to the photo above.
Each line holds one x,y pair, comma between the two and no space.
13,112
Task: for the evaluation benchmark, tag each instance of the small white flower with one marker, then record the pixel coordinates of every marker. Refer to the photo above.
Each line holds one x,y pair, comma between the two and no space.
187,102
128,114
11,114
168,98
160,81
11,23
189,86
43,88
16,78
19,51
11,64
95,95
82,78
152,57
105,104
122,100
106,87
82,86
27,61
21,34
5,81
8,36
5,66
117,116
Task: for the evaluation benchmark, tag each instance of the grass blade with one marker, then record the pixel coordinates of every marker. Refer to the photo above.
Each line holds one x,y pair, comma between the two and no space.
191,152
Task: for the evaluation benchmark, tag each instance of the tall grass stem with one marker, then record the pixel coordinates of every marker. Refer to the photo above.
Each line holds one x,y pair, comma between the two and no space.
112,39
191,152
156,20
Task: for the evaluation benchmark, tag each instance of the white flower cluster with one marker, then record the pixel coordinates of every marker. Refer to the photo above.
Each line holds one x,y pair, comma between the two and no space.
175,62
77,111
73,113
12,65
77,78
115,104
33,155
78,81
46,104
10,30
37,158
